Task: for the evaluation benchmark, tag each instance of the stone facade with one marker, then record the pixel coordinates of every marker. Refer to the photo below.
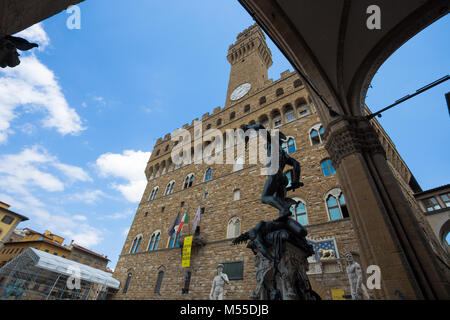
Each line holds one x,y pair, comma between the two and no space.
266,99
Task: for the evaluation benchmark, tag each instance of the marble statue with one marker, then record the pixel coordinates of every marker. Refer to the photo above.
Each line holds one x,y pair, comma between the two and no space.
355,277
217,289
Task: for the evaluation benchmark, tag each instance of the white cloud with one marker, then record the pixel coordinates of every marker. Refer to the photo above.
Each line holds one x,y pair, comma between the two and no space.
34,87
89,196
37,34
119,215
19,173
129,166
79,218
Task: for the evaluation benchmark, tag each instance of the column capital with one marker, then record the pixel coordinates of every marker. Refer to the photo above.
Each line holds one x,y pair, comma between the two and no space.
347,135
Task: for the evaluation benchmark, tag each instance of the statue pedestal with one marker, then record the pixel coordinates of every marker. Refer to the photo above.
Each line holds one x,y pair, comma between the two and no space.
284,277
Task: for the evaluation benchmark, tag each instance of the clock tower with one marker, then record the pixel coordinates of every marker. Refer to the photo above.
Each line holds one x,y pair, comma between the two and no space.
250,58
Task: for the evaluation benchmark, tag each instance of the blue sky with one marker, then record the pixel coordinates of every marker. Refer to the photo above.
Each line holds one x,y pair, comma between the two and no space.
79,117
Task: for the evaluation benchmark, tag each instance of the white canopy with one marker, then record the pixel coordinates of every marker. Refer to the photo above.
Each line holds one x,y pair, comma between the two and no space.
67,267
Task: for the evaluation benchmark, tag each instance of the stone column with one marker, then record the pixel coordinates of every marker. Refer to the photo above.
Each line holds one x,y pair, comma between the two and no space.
388,232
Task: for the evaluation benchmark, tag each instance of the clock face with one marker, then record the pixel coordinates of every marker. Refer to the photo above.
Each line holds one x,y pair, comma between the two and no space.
240,91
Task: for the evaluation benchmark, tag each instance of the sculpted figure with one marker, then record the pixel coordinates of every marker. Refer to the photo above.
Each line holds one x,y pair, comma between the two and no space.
275,188
354,272
217,289
9,57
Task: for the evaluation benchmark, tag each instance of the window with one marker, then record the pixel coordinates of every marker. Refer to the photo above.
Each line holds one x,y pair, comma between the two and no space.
162,209
146,214
169,188
234,227
136,244
276,118
446,199
279,92
316,134
208,126
262,100
127,283
289,114
234,270
431,204
205,196
327,168
264,120
187,282
219,122
153,194
232,115
336,205
237,194
174,241
157,152
247,108
188,181
159,281
7,219
299,213
289,177
297,83
289,145
302,110
154,241
208,175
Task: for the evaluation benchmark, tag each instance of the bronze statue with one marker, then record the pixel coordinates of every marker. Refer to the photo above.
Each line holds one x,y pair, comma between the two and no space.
280,246
9,57
275,188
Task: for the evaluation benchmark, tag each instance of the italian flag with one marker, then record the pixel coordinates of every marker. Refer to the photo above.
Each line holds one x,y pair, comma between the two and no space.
184,220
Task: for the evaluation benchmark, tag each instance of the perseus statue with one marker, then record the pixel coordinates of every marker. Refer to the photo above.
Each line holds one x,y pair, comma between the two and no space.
275,188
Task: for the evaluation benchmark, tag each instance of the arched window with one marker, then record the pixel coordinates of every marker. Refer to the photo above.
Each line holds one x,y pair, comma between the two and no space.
219,122
127,282
299,212
279,92
297,83
264,120
159,281
289,145
234,227
276,119
302,110
208,175
316,134
188,181
327,168
154,241
153,194
232,115
136,244
238,164
247,108
169,188
336,205
289,177
289,114
174,241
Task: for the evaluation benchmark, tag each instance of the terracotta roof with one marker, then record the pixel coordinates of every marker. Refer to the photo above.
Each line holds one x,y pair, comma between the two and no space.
89,251
36,241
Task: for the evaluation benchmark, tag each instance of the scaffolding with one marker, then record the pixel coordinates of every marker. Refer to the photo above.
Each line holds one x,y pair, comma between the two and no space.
38,275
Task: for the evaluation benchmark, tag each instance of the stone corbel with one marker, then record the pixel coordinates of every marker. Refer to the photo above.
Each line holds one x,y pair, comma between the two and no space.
347,135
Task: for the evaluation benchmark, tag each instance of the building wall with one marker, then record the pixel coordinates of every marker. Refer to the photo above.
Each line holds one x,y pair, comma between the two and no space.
159,214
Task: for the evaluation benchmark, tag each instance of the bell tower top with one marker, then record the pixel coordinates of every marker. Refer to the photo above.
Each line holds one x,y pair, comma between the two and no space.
250,58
